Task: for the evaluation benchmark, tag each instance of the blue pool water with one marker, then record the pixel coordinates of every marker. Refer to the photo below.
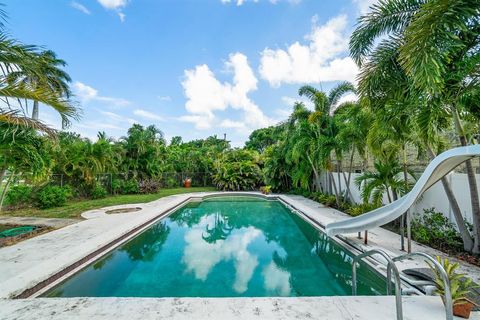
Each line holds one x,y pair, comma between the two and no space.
224,247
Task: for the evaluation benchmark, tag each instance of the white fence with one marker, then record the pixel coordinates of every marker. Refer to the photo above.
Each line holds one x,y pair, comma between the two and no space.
435,197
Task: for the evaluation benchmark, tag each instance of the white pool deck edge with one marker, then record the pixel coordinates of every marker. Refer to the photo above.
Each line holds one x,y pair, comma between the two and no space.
30,262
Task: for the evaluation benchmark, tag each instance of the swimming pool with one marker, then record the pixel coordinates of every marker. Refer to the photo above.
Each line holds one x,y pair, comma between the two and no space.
224,247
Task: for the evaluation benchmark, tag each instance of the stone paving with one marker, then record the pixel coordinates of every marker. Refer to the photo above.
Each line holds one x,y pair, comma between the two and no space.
32,261
49,222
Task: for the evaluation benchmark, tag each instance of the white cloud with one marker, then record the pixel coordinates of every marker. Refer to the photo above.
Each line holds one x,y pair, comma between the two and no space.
117,118
206,95
115,5
79,7
200,257
87,94
147,115
240,2
227,123
276,280
364,5
324,57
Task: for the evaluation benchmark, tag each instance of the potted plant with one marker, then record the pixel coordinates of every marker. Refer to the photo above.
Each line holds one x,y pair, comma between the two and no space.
187,183
460,287
266,189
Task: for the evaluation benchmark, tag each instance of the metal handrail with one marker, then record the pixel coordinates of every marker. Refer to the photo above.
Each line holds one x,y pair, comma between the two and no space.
390,266
448,296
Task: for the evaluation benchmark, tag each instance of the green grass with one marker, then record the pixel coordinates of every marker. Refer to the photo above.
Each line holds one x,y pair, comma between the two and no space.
73,209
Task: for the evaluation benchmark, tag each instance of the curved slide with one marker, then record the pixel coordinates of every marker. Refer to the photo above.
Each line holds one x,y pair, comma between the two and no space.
436,170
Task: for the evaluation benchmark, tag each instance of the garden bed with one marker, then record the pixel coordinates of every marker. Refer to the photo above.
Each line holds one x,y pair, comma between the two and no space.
8,241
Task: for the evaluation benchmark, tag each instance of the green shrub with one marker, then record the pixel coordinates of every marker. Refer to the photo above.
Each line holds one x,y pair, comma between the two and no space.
238,170
358,209
120,186
130,186
326,199
99,192
117,185
172,183
434,229
51,196
19,196
70,191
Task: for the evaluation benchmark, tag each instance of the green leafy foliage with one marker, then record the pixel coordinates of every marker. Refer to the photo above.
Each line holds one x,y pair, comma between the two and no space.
358,209
51,196
434,229
19,196
460,285
238,170
266,189
99,192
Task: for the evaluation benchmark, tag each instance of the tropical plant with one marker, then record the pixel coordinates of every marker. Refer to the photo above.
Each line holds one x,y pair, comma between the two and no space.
460,285
238,170
383,181
429,48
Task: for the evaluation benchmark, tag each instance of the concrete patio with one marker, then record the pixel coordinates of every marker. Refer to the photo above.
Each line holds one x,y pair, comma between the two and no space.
32,262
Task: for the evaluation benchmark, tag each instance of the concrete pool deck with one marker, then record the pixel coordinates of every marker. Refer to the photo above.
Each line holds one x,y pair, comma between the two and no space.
33,261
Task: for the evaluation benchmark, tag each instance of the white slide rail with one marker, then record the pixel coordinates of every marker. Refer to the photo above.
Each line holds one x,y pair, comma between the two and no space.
436,170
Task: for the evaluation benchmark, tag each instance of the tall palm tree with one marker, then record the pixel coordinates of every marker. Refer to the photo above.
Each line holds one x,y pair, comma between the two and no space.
47,75
27,75
327,141
382,46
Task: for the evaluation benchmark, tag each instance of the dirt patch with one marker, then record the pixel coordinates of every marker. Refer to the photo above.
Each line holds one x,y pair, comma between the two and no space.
123,210
8,241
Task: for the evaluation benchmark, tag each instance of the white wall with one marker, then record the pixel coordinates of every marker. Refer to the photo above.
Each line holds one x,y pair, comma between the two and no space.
435,197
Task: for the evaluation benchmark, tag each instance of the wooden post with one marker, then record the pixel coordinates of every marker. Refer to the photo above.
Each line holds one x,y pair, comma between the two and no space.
365,241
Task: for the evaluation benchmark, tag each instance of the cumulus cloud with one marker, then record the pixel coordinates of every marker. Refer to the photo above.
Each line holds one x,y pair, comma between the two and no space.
323,57
148,115
364,5
80,7
115,5
200,257
87,94
206,95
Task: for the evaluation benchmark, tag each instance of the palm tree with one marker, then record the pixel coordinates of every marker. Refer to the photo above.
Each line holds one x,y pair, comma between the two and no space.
385,180
388,75
27,75
327,141
47,75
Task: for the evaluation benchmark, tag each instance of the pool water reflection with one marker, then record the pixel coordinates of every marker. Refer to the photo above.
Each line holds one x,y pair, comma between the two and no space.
224,247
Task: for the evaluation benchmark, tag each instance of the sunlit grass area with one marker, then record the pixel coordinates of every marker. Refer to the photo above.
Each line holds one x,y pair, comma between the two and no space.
74,208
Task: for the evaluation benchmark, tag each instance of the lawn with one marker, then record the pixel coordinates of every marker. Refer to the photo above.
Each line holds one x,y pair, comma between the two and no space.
74,208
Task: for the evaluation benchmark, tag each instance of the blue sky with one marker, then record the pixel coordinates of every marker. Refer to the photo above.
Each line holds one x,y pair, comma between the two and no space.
191,67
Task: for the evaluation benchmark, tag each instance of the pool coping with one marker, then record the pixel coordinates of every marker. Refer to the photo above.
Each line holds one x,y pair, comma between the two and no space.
315,211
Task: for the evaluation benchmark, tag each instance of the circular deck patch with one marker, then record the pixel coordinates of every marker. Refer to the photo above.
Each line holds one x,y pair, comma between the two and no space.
123,210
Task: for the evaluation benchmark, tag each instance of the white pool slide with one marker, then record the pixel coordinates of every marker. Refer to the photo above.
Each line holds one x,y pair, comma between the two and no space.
436,170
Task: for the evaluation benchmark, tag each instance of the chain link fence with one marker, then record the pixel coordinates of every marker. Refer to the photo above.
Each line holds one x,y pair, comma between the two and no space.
166,179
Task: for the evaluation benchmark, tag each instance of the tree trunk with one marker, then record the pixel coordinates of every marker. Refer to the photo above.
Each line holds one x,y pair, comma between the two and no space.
316,175
35,110
339,168
4,192
457,213
350,168
472,183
